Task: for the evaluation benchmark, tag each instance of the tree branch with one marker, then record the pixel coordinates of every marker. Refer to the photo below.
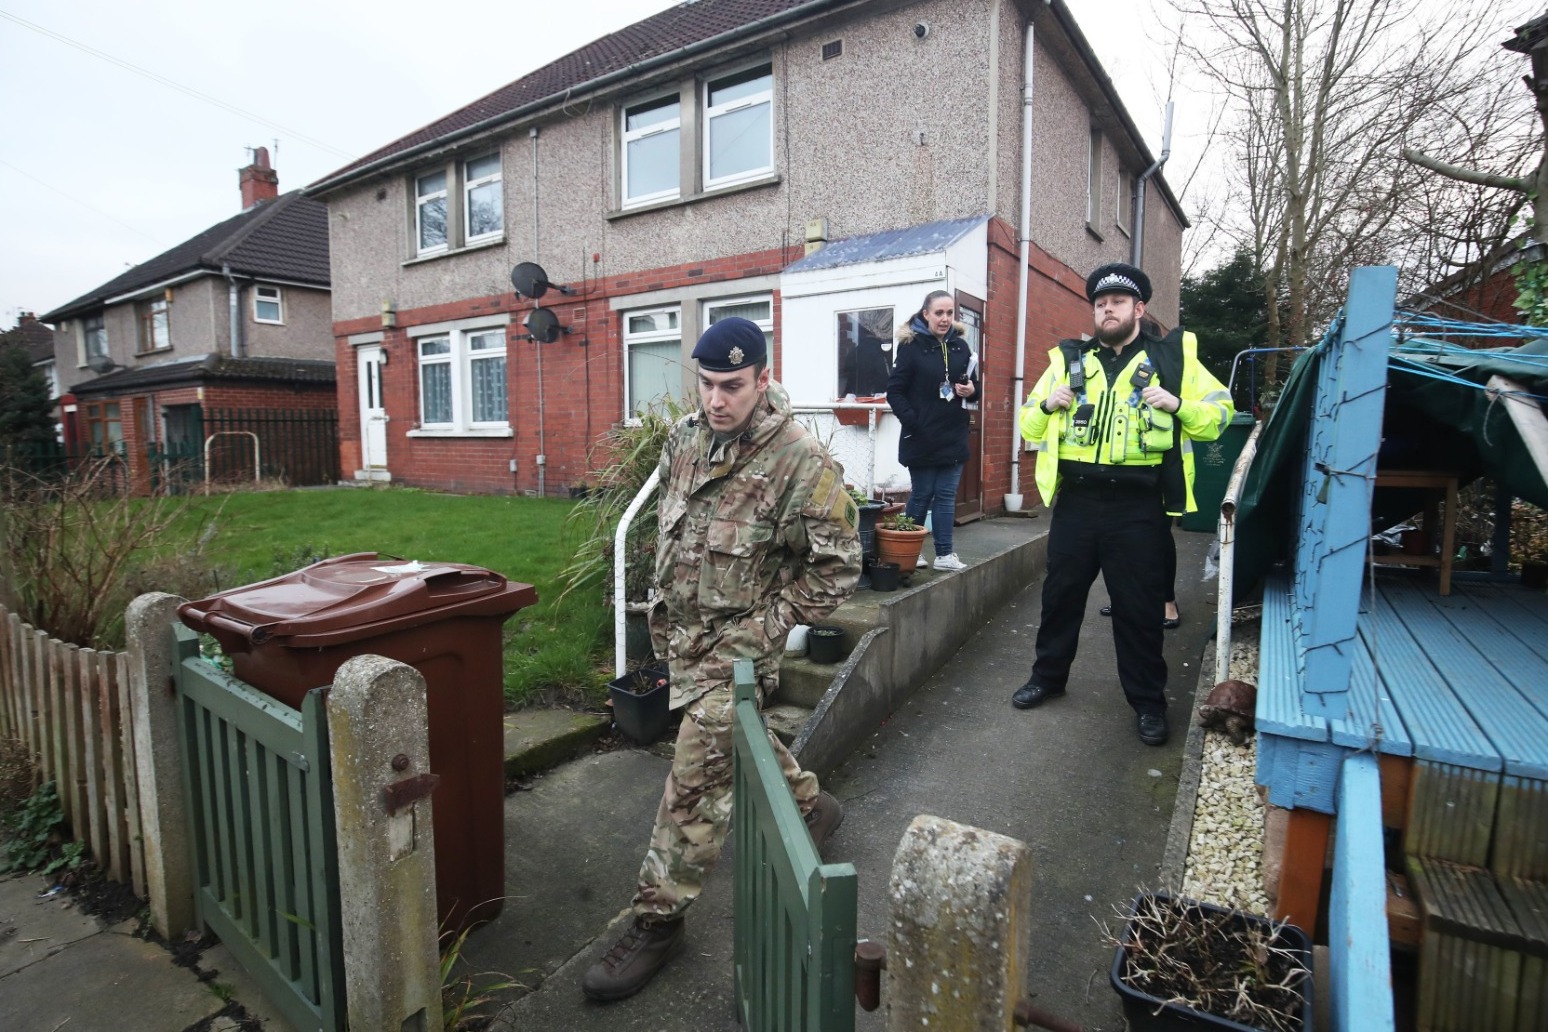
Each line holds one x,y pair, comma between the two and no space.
1466,175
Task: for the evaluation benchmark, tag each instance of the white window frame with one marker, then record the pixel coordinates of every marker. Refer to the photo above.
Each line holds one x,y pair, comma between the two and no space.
740,104
1123,213
87,351
766,325
269,295
469,185
459,358
629,136
629,340
422,199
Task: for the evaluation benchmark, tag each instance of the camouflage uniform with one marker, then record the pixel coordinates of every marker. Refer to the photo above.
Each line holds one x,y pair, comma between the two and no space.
757,535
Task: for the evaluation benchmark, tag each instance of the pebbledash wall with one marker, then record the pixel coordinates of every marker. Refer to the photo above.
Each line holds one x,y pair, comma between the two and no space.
582,372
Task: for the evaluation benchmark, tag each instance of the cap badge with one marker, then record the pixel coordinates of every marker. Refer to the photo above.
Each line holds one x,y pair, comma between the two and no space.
734,356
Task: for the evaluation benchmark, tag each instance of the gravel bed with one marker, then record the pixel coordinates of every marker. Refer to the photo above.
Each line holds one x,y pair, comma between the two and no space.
1225,851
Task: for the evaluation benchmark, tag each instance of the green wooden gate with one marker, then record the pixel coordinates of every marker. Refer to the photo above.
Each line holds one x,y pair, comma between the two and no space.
795,916
260,800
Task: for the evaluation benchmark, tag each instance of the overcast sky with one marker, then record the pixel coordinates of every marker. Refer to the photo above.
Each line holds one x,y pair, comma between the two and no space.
125,123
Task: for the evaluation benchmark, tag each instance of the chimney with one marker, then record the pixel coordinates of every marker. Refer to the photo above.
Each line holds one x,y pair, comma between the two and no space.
259,182
26,317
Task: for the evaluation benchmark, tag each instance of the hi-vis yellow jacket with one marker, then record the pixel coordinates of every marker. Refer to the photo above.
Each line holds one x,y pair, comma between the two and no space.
1123,430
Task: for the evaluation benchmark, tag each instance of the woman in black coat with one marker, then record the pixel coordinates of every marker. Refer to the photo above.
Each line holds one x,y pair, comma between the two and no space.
933,374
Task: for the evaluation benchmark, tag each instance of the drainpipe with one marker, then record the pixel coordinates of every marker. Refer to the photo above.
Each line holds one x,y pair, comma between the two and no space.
234,302
1137,255
542,456
1013,501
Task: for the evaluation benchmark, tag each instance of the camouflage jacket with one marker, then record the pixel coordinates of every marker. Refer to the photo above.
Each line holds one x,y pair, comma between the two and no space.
756,535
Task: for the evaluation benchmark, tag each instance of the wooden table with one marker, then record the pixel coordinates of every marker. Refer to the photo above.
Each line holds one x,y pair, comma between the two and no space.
1441,487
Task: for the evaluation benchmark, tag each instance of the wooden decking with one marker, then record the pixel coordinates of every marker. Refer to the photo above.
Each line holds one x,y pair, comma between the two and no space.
1460,679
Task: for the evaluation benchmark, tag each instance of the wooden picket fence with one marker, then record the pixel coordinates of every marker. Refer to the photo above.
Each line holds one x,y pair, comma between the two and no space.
70,707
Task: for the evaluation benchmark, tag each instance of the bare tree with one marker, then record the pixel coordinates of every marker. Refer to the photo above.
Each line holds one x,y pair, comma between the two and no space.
1323,96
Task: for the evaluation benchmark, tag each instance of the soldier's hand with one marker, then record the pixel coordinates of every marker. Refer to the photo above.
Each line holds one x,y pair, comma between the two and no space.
1161,398
1059,399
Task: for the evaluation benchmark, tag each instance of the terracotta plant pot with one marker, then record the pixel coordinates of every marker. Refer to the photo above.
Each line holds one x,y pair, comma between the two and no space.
899,546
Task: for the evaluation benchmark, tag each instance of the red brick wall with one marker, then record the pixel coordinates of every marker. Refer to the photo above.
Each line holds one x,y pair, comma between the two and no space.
582,373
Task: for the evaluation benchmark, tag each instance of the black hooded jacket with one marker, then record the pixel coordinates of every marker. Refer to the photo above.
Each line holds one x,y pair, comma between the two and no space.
935,430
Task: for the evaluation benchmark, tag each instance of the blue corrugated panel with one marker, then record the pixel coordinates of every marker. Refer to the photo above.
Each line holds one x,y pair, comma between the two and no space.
929,238
1279,682
1438,725
1470,652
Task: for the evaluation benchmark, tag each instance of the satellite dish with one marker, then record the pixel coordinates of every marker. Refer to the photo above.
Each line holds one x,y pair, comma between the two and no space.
544,326
530,280
101,365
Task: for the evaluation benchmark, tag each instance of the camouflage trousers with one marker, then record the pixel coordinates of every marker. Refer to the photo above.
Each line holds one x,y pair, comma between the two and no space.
695,810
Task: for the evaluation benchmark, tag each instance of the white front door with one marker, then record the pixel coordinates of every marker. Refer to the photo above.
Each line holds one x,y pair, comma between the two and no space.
373,415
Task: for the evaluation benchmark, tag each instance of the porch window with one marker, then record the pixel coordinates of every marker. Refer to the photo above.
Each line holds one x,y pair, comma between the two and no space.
94,342
430,212
154,331
864,352
651,151
653,364
268,306
462,382
739,126
482,198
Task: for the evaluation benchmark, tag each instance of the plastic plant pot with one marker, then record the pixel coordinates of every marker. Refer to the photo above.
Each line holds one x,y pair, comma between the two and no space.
640,703
825,644
884,576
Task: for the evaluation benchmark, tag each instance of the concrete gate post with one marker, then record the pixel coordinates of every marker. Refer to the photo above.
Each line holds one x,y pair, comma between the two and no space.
169,875
381,761
960,903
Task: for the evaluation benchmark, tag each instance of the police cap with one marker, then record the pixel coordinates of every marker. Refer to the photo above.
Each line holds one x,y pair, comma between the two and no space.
1118,276
729,345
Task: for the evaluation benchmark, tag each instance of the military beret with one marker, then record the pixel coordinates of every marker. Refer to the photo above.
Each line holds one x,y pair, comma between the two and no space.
729,345
1115,277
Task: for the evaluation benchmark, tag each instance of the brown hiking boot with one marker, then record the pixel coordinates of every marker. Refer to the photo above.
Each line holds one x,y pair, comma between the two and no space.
634,960
823,819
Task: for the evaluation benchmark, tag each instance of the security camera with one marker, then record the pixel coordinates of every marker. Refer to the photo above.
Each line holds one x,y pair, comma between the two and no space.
921,30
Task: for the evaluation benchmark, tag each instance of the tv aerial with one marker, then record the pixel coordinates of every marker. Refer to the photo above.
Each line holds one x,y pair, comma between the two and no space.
102,365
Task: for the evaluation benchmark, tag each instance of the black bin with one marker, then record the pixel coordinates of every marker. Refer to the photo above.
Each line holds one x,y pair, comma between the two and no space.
290,634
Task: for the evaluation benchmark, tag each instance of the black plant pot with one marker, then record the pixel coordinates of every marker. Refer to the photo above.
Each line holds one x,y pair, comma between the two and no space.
640,703
825,644
884,576
1146,1012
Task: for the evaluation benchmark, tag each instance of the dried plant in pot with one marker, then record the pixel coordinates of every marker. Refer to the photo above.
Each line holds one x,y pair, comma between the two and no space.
1182,964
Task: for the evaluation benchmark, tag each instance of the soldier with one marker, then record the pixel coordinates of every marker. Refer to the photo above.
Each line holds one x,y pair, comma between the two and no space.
756,535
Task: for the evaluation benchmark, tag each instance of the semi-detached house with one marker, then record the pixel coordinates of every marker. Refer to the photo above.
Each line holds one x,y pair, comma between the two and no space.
817,166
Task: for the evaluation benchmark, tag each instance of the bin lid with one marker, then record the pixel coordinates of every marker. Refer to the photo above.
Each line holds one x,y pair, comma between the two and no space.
351,591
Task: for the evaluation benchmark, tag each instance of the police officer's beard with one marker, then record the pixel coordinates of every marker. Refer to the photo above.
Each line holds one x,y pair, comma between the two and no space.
1111,335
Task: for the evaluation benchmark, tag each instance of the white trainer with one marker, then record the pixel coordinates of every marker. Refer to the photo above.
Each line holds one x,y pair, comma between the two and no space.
922,563
950,563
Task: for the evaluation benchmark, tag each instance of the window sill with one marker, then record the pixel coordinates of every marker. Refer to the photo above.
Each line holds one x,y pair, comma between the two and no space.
269,322
772,179
452,252
153,351
1120,227
481,432
1093,233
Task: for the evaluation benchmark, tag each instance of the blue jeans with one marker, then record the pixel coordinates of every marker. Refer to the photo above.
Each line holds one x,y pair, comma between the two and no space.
934,490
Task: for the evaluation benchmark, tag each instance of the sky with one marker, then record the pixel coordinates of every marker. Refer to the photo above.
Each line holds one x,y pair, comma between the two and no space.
126,123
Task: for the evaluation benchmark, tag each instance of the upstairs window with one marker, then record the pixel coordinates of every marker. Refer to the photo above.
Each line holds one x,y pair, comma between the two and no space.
483,202
1094,177
94,342
268,306
653,363
430,212
1124,213
739,126
155,334
651,150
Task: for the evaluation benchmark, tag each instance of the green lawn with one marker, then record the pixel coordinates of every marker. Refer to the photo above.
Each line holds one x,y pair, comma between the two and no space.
550,647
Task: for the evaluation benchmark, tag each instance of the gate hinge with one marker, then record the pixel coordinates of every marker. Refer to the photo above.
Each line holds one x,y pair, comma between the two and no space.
408,791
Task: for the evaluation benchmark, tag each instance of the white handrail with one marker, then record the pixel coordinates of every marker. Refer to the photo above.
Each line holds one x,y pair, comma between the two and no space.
1225,606
257,466
620,565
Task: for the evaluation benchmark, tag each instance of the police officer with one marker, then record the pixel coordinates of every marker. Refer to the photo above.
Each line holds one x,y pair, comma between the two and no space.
1109,417
756,533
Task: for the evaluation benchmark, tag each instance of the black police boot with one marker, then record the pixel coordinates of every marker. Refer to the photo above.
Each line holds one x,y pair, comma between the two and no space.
1152,728
1033,694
